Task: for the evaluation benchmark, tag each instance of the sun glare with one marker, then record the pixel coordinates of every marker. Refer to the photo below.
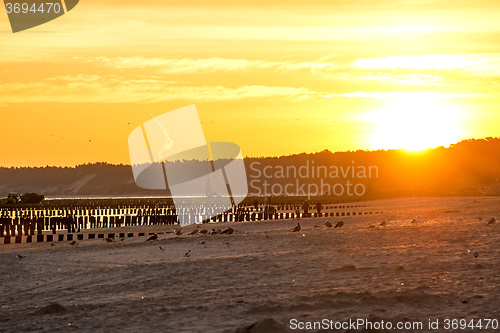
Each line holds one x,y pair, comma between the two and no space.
415,123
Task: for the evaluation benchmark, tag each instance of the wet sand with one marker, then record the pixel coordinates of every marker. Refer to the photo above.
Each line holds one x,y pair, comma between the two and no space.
401,272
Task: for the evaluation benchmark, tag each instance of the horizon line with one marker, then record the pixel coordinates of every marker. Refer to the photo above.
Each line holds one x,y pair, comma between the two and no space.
258,157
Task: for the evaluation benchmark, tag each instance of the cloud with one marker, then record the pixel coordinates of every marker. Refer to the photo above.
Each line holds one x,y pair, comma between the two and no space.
76,78
207,65
90,89
435,69
136,91
402,94
486,64
127,79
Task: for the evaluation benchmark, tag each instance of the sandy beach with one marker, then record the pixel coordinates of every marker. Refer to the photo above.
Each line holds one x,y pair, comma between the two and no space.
401,272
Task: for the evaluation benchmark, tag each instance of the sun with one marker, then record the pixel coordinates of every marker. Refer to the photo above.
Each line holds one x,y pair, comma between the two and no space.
415,123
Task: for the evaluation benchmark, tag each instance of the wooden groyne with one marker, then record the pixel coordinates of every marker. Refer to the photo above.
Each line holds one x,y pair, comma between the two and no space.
50,224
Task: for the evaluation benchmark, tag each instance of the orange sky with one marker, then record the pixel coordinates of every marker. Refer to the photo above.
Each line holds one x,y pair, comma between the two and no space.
275,79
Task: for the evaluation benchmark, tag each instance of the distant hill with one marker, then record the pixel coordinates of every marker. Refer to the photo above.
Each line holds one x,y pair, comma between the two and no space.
88,179
470,167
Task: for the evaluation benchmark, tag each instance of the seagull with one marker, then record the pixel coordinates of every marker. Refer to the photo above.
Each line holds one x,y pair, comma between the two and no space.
492,220
415,220
204,243
297,227
162,247
195,231
52,244
203,231
228,231
109,240
188,254
75,243
178,232
328,224
339,224
267,236
383,224
371,227
152,238
19,256
216,232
